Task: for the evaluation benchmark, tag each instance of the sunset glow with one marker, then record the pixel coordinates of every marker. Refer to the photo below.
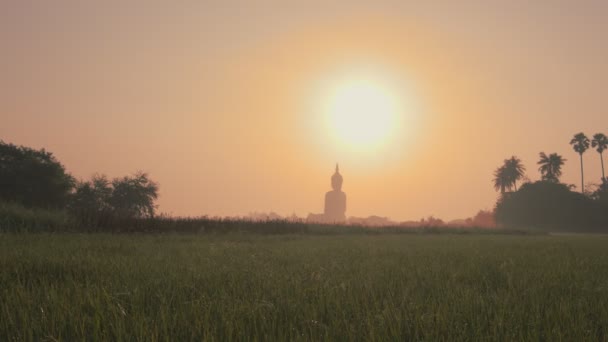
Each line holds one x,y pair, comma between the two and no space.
303,170
362,114
241,107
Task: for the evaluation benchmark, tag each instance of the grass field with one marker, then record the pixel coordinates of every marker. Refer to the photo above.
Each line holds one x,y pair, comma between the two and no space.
303,287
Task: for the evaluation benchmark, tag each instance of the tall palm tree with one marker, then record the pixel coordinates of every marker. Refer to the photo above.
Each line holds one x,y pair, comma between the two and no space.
580,144
600,143
514,170
550,166
501,180
506,176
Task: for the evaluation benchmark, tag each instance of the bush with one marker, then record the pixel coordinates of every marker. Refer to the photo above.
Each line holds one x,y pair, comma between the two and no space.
101,204
17,218
549,205
89,204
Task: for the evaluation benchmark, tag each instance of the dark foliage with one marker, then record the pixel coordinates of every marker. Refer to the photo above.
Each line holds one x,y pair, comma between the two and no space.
16,218
33,178
550,205
133,196
89,203
506,176
580,144
600,143
99,203
550,166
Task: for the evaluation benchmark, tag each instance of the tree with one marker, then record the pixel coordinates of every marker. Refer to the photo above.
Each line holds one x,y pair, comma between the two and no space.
33,178
580,144
549,205
133,196
514,170
89,202
600,143
98,203
501,180
506,176
484,219
550,166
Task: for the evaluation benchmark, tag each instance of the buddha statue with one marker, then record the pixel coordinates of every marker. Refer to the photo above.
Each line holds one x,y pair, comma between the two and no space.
335,200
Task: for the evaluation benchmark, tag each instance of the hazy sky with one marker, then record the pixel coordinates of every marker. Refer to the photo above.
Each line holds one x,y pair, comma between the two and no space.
219,101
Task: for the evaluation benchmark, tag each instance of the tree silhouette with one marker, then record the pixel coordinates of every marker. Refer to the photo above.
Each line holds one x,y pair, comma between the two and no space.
501,181
506,176
600,143
580,144
550,166
33,178
514,169
133,196
89,202
549,205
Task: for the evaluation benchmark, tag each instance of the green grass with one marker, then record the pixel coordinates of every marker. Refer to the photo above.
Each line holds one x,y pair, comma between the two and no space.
16,218
303,287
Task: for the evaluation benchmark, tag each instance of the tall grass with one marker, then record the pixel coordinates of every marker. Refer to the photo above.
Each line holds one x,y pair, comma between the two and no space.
303,287
16,218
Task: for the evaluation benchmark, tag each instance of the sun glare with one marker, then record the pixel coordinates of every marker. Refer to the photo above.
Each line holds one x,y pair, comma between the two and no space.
361,114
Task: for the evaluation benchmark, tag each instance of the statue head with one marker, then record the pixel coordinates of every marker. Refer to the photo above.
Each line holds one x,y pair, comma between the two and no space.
336,180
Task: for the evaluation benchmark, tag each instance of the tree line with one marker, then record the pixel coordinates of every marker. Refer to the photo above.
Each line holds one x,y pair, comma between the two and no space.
512,170
36,179
548,202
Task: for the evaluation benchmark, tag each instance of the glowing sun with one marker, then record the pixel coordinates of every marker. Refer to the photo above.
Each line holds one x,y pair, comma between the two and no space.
362,114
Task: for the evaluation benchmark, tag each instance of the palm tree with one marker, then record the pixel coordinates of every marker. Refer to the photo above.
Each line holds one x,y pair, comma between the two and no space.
600,143
550,166
514,170
501,180
506,176
580,144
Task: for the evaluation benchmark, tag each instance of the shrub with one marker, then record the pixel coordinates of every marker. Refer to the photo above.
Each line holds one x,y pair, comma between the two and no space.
17,218
549,205
101,204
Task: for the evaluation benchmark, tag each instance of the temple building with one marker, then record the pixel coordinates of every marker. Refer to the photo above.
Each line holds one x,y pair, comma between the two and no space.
335,200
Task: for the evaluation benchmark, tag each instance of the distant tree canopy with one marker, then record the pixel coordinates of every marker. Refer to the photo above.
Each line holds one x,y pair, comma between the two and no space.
580,144
600,143
506,176
550,166
547,204
33,178
134,196
99,200
90,201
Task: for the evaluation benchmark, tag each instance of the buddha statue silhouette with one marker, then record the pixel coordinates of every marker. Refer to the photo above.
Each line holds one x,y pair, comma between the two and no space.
335,200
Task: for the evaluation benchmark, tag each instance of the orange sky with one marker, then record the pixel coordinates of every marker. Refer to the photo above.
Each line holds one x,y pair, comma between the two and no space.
218,101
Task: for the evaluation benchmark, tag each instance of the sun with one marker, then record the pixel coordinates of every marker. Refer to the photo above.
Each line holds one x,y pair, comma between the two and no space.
362,113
